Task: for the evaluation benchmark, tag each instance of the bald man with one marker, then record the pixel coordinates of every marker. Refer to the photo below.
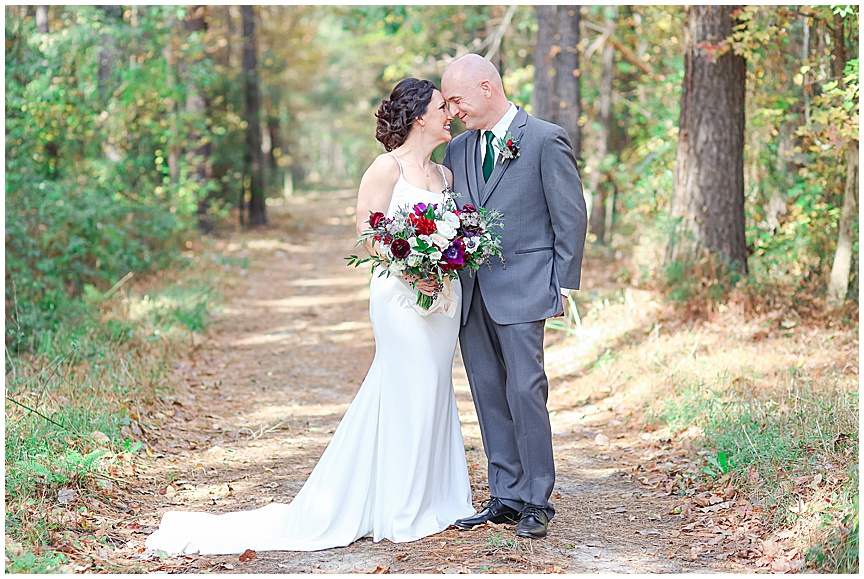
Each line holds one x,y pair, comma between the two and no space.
504,309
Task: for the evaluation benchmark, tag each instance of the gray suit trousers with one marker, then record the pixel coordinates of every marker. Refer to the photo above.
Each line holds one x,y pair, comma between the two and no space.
510,389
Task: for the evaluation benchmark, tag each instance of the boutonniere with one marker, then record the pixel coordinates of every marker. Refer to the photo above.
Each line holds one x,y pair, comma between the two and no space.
509,147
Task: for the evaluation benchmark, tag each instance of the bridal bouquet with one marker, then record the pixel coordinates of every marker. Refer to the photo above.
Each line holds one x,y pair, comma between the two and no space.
432,242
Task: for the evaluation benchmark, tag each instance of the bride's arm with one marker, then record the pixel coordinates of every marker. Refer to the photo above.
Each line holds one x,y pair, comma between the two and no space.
376,189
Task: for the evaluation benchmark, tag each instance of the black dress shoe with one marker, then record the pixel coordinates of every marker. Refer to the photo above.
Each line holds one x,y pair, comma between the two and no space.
494,511
533,522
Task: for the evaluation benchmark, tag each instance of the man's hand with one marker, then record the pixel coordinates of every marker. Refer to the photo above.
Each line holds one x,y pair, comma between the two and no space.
563,306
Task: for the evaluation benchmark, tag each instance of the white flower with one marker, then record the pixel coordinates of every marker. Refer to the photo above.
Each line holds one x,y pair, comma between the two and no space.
435,255
396,267
446,229
412,241
471,244
413,259
439,240
451,218
426,239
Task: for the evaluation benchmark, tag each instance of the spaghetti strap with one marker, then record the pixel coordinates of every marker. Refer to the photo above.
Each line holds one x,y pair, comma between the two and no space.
443,176
401,173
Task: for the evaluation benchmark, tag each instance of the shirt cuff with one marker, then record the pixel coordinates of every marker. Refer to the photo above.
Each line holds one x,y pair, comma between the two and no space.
565,291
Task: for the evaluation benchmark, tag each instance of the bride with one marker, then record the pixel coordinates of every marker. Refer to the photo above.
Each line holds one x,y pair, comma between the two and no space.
395,468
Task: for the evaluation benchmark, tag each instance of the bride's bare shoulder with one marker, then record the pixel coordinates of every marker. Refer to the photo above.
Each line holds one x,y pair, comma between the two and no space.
385,167
384,171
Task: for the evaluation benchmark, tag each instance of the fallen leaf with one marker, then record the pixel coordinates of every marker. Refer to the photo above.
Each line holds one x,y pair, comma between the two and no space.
100,437
65,496
716,507
771,548
247,556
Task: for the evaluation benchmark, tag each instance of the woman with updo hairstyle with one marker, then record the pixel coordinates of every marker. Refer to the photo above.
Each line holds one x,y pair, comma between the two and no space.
409,100
395,468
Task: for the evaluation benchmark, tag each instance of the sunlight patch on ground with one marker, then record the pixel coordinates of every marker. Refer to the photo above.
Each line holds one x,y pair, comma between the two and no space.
265,244
295,302
329,282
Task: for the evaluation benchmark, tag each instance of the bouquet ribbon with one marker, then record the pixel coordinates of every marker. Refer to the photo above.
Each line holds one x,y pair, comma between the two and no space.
447,302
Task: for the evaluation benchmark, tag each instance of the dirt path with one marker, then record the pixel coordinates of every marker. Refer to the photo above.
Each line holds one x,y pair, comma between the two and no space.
258,404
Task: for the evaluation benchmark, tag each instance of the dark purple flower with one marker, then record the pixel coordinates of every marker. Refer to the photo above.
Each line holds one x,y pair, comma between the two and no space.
420,208
455,254
400,248
469,208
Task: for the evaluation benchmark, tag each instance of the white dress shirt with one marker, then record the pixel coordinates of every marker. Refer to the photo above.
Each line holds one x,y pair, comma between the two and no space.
499,130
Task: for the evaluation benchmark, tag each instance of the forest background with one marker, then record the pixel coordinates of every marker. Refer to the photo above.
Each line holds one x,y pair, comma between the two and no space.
132,131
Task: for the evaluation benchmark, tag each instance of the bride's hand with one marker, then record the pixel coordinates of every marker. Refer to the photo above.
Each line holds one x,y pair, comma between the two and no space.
424,286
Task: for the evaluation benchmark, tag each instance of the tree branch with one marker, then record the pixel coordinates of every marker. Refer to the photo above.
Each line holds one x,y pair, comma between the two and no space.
495,44
625,52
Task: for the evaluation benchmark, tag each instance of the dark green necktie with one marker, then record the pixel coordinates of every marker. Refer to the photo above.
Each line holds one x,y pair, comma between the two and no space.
489,160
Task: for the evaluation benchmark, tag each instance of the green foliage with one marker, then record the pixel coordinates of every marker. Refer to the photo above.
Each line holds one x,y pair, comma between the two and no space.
28,562
90,122
76,410
768,437
799,119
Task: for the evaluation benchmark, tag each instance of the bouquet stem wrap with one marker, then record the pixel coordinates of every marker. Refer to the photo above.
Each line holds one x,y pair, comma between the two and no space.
446,302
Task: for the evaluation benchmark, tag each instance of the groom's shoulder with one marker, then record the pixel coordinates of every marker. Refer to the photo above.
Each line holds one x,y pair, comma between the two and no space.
539,126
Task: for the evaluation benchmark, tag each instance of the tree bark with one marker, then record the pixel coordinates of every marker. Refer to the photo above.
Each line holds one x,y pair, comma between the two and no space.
598,178
108,59
556,95
42,19
541,98
252,158
708,194
838,284
198,109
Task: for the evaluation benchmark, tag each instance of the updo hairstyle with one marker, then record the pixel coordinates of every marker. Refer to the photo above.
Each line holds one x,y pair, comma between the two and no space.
409,100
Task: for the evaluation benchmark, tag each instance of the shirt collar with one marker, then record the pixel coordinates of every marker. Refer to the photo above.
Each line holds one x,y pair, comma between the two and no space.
501,127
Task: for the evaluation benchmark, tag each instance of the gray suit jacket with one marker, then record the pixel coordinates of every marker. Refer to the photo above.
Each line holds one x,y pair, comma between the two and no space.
545,220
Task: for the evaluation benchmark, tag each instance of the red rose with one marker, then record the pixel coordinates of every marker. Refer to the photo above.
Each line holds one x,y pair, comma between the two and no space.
400,248
509,143
469,208
375,219
423,225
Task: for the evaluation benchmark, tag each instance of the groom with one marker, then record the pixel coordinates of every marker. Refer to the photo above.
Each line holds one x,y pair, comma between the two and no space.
503,311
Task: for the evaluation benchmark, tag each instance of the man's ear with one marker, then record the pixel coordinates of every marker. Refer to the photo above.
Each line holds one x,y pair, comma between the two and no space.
486,88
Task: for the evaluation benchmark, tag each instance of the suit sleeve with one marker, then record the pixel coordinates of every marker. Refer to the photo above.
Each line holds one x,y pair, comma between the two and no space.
446,161
563,190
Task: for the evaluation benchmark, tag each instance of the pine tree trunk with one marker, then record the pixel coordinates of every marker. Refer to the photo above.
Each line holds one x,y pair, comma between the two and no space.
708,195
541,98
556,95
598,178
252,159
108,60
197,108
567,86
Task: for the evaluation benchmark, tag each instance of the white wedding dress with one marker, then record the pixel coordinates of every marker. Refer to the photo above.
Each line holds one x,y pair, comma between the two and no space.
395,468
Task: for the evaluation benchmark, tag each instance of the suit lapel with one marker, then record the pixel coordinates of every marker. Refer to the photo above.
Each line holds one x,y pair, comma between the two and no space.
475,181
517,128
